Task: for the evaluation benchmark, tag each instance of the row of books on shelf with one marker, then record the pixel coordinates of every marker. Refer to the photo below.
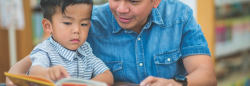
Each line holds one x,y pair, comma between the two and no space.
233,29
232,35
229,10
242,82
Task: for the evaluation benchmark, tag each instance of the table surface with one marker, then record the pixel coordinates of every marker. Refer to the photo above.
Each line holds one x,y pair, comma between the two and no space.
124,84
115,84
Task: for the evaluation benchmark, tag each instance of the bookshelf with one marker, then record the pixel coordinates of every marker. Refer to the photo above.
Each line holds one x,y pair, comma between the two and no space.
232,42
232,27
23,42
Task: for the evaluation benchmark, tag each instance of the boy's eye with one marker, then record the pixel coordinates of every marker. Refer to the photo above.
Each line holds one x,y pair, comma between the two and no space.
67,23
84,24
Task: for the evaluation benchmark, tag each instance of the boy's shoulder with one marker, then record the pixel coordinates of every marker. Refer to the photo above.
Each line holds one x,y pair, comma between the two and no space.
44,46
86,48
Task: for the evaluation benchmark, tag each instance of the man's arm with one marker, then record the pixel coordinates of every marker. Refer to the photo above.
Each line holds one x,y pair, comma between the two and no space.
106,76
21,67
200,73
200,70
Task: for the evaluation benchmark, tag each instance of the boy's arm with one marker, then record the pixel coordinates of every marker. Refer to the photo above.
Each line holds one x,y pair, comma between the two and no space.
106,76
39,70
21,67
101,72
54,73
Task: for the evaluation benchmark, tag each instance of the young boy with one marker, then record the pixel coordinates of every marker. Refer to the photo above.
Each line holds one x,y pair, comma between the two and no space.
66,53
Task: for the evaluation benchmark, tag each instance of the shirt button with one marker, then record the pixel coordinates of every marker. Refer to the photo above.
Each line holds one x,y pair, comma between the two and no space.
141,64
139,39
168,59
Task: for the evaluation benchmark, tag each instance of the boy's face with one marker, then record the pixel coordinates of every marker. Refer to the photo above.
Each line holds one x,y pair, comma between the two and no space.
71,29
132,14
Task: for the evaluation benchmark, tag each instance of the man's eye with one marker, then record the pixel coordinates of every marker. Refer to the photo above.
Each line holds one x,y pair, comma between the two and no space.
134,2
84,24
67,23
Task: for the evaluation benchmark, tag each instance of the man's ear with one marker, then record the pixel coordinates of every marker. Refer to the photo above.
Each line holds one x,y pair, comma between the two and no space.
47,25
89,25
156,3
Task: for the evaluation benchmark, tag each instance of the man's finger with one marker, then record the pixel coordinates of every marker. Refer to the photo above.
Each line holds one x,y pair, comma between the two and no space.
148,80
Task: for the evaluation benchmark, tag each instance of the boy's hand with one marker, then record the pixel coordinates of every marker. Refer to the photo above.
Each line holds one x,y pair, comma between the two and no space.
8,82
57,72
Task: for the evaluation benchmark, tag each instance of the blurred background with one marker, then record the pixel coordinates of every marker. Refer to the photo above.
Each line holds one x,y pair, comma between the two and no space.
225,23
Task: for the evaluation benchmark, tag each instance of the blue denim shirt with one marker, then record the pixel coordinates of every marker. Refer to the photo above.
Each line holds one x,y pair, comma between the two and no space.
170,34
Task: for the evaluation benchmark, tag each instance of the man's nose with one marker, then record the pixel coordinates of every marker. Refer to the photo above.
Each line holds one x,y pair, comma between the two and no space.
123,7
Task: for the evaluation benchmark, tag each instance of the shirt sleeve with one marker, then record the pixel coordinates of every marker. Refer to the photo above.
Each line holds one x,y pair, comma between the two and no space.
98,66
193,39
40,57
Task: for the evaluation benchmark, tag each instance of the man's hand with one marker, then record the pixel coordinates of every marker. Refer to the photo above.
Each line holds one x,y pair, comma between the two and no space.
57,72
154,81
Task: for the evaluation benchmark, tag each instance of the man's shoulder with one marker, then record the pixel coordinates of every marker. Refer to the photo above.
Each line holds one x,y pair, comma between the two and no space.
101,20
174,11
100,9
173,5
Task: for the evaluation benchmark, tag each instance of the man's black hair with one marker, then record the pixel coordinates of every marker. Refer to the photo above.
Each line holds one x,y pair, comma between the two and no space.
49,6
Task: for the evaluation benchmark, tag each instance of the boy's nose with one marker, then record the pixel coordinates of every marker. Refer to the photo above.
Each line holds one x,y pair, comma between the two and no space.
76,30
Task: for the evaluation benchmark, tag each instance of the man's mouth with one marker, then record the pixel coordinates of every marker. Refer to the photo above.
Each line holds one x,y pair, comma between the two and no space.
124,20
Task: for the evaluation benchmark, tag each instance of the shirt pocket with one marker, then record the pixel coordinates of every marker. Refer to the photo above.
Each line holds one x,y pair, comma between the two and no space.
116,69
169,64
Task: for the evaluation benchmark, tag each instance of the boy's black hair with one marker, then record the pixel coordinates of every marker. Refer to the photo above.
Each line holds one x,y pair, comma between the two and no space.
49,6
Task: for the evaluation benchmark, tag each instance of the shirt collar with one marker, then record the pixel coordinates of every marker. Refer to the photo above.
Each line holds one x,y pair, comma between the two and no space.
64,52
116,26
154,16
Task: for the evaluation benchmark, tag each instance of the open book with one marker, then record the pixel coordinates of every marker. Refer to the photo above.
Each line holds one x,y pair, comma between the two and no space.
26,80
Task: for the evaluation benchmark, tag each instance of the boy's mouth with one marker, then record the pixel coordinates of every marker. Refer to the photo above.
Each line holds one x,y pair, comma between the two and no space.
75,40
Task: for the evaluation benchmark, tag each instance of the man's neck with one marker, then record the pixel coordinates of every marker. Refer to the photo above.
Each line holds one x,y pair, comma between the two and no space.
138,28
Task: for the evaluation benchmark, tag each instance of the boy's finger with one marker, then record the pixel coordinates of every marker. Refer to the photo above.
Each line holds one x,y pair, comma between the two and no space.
65,73
51,75
57,74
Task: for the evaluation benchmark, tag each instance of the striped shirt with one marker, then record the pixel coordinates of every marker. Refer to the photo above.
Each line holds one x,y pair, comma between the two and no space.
81,63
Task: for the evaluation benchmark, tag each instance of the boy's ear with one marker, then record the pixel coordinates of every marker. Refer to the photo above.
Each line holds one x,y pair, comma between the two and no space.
47,25
156,3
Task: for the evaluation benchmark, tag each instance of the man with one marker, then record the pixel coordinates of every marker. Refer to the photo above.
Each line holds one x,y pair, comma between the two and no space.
148,42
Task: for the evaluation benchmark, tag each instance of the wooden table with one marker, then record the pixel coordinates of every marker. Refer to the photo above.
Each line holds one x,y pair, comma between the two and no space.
124,84
115,84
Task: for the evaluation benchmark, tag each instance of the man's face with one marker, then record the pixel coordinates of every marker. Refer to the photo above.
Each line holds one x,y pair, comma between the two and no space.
131,14
71,29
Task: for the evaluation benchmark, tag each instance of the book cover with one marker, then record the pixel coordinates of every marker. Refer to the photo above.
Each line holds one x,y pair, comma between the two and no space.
27,80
